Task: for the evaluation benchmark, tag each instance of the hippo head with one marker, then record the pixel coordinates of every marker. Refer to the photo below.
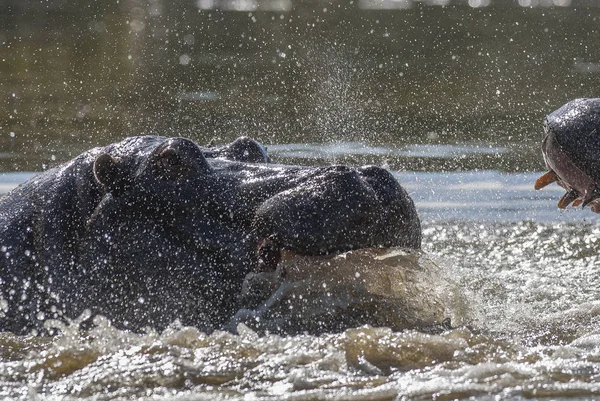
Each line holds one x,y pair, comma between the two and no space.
571,150
164,229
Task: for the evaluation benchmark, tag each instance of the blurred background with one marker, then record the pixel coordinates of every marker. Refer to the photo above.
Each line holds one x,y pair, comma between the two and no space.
429,85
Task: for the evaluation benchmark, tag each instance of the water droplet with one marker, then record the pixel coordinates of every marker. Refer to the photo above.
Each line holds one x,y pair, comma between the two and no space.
184,59
3,305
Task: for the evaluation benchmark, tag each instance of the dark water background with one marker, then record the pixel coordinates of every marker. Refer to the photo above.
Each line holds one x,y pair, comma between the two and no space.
449,95
75,75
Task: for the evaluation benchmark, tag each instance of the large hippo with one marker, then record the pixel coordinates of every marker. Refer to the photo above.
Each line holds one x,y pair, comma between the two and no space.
152,230
571,150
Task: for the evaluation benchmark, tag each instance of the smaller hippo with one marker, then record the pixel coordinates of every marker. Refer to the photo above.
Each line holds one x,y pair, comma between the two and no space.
571,150
152,230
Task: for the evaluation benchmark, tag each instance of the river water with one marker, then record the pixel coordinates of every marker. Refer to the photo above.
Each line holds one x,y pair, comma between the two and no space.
449,95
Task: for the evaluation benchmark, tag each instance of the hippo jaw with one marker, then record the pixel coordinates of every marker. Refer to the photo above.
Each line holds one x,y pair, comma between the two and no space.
571,151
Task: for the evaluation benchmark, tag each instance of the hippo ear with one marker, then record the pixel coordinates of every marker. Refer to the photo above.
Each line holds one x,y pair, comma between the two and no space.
246,150
109,173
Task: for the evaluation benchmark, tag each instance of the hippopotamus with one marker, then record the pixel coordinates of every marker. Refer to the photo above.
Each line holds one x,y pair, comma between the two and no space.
154,230
571,150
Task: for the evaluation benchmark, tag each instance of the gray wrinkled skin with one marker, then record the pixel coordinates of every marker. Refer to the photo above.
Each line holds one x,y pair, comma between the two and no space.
151,230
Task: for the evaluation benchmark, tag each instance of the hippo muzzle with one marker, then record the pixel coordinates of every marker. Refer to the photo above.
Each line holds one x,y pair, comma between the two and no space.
571,151
338,209
151,229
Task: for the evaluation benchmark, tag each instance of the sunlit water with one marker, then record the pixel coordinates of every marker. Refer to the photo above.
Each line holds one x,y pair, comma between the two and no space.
529,326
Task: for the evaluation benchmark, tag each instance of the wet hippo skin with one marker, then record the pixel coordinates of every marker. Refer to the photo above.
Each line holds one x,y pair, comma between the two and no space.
571,150
151,230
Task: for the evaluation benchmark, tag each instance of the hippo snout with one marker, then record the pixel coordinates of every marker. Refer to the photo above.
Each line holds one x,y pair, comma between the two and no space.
338,209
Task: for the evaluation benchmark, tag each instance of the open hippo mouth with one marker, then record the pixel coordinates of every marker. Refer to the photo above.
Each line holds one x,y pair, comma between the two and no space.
571,150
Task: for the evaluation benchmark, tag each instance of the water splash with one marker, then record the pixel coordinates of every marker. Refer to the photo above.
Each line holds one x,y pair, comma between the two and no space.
396,288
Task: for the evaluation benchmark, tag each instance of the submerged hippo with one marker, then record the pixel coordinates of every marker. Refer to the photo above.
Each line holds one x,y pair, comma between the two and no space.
571,150
151,230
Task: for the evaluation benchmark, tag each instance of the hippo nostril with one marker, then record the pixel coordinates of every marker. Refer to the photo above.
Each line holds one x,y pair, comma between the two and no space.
382,182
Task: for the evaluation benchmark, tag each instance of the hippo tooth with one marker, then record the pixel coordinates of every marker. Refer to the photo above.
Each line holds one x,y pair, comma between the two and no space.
567,198
577,202
593,195
546,179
